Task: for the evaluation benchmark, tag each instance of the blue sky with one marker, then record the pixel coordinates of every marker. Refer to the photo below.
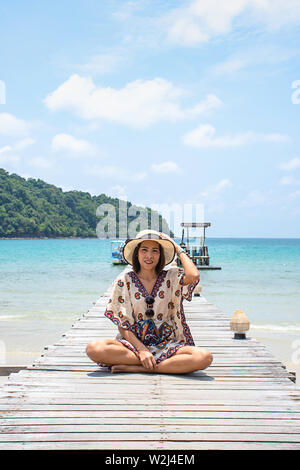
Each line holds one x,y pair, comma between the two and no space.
183,104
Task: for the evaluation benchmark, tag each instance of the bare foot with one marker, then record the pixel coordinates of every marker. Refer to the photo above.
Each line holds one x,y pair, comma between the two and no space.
129,368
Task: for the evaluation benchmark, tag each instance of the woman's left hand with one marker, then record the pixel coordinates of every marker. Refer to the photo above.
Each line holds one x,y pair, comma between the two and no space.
166,237
147,359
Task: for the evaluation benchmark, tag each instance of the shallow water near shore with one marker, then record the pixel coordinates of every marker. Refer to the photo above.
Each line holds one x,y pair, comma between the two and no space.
47,284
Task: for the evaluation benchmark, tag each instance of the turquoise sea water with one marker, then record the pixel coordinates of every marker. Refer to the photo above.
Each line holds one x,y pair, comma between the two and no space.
47,284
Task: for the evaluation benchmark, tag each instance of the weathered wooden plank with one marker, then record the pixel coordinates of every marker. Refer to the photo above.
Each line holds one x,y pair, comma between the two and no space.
202,417
226,362
147,418
231,424
149,435
214,370
153,445
219,352
205,395
281,404
218,355
172,386
292,433
103,375
217,372
38,406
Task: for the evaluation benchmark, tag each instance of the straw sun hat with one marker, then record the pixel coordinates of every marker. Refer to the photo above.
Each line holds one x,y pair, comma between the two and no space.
167,245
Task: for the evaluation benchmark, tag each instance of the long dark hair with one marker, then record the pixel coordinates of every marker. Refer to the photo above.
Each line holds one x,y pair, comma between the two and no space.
136,264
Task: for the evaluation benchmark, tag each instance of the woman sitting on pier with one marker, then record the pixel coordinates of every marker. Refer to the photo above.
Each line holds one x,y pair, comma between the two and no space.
146,305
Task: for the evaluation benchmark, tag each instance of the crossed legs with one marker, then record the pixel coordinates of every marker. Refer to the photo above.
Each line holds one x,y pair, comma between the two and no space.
121,359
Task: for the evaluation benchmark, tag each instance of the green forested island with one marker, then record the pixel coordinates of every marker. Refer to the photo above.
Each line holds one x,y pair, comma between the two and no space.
32,208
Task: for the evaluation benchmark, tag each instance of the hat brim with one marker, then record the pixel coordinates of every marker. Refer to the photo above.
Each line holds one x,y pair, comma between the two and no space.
167,245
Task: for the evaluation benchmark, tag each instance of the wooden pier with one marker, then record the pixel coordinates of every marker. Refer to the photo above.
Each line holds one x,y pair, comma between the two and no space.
245,400
197,251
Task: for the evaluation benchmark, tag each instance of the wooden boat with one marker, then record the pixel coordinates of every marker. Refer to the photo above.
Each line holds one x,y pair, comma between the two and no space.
116,252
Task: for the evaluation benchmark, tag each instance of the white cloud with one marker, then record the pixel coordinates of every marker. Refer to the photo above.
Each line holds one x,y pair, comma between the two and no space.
100,64
291,164
9,159
114,172
289,181
211,199
204,136
24,143
186,31
276,13
231,65
119,191
12,126
139,104
295,195
165,167
213,192
5,149
40,163
71,145
210,102
258,198
21,145
276,137
201,20
9,153
264,56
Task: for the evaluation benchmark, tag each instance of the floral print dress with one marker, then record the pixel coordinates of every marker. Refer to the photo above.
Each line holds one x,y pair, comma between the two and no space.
167,331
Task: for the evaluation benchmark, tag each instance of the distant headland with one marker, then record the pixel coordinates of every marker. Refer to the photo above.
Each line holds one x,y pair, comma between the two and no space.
32,208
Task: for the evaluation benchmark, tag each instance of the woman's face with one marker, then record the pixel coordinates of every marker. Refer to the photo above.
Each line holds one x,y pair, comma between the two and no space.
149,254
